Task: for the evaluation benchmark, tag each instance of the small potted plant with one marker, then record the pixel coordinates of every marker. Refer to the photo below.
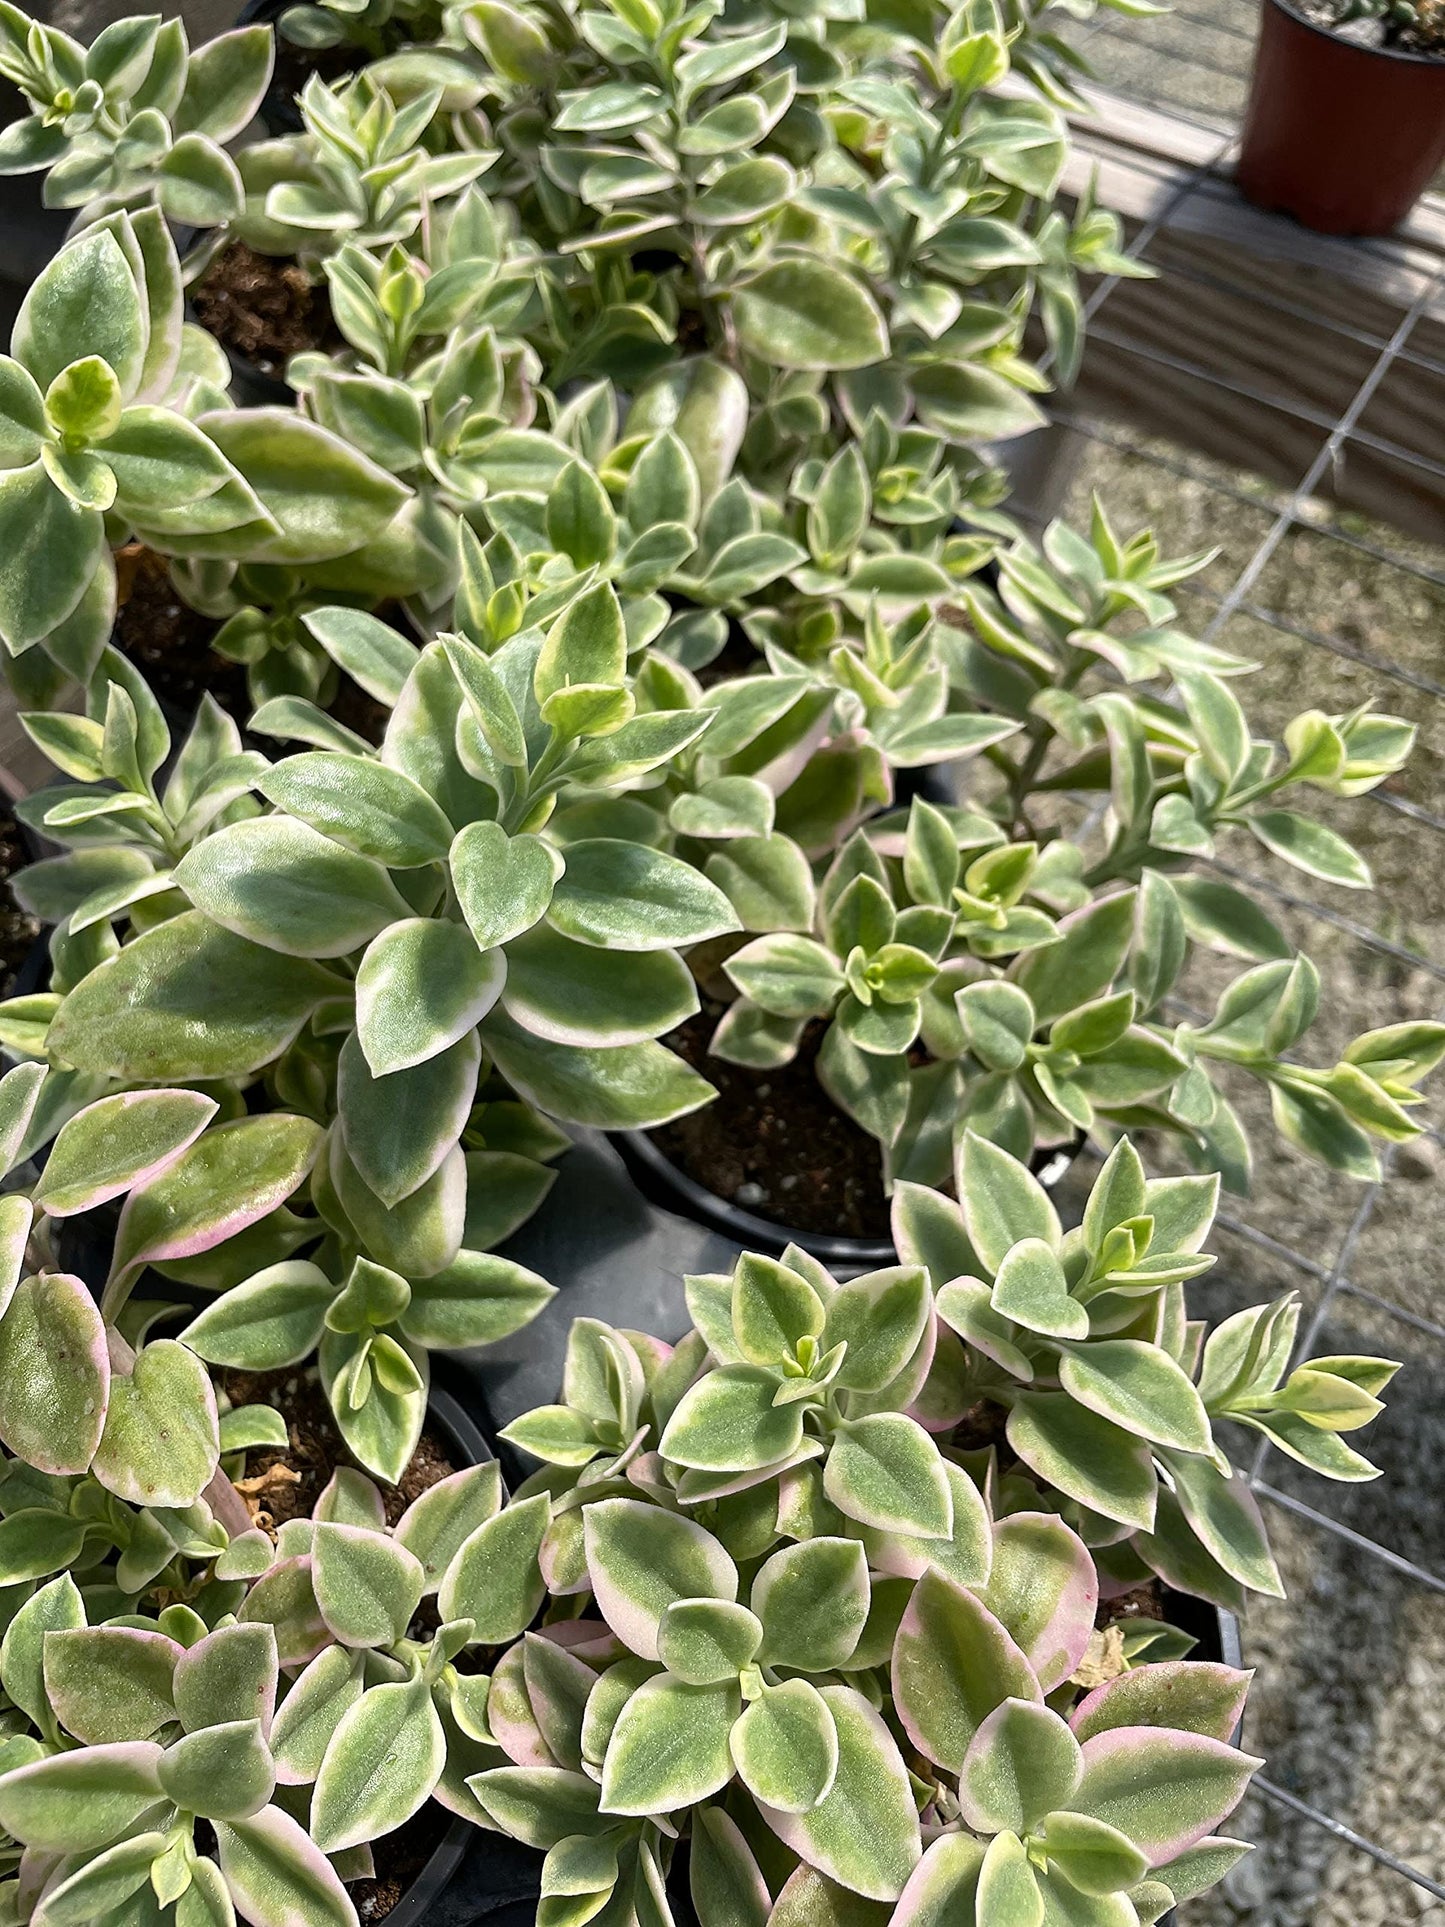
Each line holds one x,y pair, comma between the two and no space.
1345,127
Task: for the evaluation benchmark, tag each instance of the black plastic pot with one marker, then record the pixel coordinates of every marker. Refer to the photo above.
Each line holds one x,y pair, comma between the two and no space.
660,1181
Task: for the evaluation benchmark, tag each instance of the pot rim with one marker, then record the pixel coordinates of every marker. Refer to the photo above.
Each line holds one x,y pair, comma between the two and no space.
644,1160
1400,54
744,1227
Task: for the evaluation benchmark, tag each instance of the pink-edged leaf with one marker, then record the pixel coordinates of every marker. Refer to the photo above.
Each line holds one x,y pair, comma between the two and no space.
944,1395
277,1876
229,1178
17,1219
953,1663
1021,1764
54,1374
110,1683
1194,1696
641,1559
588,1639
514,1725
558,1685
728,1889
161,1442
941,1887
1042,1586
1165,1790
285,1599
78,1802
231,1674
696,1488
117,1143
865,1833
810,1899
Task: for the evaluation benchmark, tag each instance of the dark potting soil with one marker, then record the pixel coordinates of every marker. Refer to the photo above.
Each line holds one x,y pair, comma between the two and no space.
169,642
774,1142
285,1484
1140,1602
18,930
263,308
399,1857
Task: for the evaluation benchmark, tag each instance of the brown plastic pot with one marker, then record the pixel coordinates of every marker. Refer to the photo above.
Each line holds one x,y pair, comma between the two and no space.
1345,138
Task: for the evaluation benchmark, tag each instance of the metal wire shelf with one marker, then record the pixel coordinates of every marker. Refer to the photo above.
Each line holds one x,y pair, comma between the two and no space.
1285,511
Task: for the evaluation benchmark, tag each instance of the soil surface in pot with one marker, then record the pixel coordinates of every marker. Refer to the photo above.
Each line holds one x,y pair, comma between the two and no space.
1425,34
169,642
774,1143
285,1484
18,929
263,308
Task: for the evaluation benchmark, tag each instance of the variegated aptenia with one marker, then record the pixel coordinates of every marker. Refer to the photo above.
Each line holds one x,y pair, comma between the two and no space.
823,1700
1071,1353
115,421
77,1393
388,905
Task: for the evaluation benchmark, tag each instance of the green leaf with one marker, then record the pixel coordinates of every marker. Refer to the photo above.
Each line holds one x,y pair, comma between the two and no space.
773,1309
707,1641
274,1318
881,1318
807,313
49,551
1032,1290
1140,1387
625,896
187,1000
110,1683
423,985
1085,1456
621,1088
436,1524
503,884
277,882
587,644
494,1579
476,1300
669,1747
223,1772
864,1834
785,1747
574,993
727,1422
885,1471
1003,1202
363,805
54,1374
160,1445
1165,1791
85,302
381,1765
367,1585
1311,847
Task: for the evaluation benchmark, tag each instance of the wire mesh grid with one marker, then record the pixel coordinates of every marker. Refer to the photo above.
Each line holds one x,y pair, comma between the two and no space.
1398,352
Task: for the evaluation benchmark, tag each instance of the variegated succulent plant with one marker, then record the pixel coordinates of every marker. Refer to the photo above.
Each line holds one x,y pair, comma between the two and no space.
135,117
853,1681
114,423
